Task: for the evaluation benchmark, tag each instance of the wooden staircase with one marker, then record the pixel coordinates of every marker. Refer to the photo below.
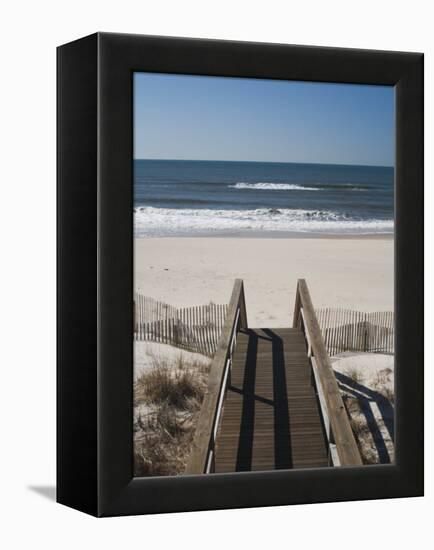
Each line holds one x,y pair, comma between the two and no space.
271,418
272,400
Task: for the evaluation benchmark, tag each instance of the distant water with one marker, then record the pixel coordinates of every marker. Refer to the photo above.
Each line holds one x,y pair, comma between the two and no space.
239,198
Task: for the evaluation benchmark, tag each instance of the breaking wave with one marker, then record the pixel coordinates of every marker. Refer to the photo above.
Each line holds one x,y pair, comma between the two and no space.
268,186
151,221
272,186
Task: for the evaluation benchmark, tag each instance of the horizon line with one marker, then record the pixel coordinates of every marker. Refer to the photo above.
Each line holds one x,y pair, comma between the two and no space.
270,162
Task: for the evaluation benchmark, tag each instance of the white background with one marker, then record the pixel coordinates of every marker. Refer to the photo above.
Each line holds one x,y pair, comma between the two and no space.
30,31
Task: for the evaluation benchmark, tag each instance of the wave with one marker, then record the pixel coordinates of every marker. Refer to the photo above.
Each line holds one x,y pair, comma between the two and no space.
178,201
151,221
272,186
268,186
350,186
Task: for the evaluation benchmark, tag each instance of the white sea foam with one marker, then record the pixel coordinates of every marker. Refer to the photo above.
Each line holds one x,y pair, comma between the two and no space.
264,186
150,221
329,186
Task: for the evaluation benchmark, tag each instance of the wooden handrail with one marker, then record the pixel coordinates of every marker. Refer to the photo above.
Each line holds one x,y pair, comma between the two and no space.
202,453
346,445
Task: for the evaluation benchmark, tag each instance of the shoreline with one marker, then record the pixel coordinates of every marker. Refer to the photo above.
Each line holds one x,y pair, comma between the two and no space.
274,236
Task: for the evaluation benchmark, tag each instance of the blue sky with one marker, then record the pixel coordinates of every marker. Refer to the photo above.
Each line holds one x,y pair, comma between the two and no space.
217,118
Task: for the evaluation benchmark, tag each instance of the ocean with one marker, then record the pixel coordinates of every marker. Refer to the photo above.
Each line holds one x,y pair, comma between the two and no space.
187,198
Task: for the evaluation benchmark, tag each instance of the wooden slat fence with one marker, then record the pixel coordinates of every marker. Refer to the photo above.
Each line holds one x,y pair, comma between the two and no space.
196,328
347,330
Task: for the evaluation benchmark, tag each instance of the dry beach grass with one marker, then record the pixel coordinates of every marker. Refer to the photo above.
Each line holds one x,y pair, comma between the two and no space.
167,398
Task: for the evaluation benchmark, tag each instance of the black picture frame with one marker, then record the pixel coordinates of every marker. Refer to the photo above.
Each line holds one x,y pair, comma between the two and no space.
95,274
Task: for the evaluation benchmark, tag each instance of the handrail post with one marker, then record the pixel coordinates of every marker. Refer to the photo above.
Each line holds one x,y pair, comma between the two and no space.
242,306
297,306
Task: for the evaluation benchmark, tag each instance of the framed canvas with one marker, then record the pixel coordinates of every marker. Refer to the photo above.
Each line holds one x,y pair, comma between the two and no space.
240,274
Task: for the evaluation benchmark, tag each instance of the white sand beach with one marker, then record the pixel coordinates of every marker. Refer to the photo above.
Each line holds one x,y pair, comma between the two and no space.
354,273
146,354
